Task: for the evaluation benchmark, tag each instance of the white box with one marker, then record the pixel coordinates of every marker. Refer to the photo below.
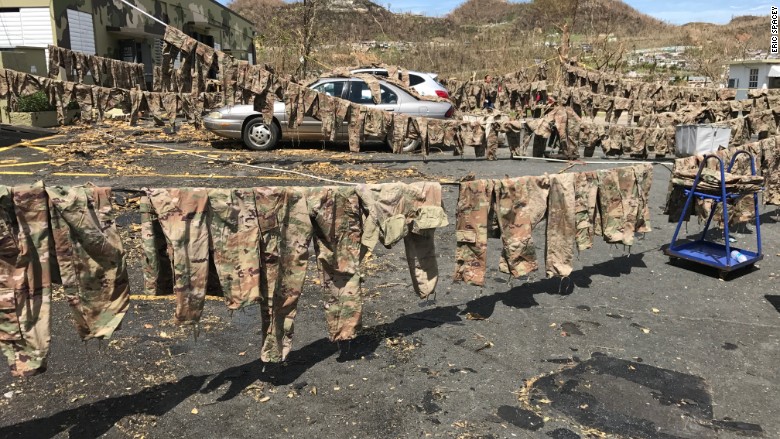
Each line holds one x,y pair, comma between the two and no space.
700,139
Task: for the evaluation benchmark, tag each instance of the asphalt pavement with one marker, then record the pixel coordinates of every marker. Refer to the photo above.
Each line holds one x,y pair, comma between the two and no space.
629,346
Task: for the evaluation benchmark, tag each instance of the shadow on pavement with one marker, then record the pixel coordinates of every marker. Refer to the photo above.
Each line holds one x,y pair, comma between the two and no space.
95,419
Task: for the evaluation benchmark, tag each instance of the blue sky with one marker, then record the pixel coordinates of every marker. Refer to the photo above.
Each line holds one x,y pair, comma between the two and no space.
672,11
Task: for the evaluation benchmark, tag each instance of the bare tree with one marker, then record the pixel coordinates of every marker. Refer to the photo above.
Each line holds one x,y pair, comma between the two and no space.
562,14
307,33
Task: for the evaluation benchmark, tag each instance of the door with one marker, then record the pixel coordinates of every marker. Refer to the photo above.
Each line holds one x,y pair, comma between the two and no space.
359,93
311,128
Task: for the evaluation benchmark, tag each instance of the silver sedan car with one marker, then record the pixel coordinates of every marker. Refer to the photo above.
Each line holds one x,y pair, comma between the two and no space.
243,122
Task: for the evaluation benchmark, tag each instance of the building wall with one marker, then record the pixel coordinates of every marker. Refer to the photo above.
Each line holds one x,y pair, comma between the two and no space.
742,73
118,27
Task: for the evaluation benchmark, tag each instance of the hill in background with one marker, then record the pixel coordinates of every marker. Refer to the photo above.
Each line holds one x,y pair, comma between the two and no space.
482,35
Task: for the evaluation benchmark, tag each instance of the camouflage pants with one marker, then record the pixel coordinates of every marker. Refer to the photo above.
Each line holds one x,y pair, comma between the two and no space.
771,166
335,214
471,231
138,104
644,181
521,204
235,242
272,205
157,267
586,214
90,258
25,280
411,212
619,204
561,225
182,217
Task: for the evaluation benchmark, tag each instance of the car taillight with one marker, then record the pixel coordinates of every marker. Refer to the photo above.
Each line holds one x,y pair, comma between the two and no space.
450,112
442,94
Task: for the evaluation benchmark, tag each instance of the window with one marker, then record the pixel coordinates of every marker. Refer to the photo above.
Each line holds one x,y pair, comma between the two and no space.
333,88
387,96
36,31
361,94
82,32
753,79
733,82
415,80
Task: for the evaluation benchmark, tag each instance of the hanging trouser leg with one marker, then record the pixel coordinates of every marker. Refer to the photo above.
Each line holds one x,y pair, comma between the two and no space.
235,237
335,214
11,338
561,225
295,233
521,205
157,266
611,206
90,257
27,349
474,204
585,198
182,217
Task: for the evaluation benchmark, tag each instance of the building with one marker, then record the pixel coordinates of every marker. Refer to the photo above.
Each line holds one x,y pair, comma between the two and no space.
112,29
754,73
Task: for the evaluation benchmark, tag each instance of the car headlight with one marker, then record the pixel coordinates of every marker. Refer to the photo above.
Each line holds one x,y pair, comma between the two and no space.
215,115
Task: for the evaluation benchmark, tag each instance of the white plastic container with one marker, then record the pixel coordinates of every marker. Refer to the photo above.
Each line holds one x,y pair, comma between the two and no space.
700,139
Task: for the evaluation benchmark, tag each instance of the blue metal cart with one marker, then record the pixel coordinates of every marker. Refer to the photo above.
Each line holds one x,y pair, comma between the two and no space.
713,254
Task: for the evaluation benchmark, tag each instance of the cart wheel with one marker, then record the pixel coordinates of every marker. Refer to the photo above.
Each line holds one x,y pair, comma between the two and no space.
722,274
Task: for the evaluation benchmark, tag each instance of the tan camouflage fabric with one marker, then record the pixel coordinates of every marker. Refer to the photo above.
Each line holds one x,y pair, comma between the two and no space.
25,289
90,257
336,218
471,230
181,214
586,213
521,203
412,212
235,243
157,266
287,231
561,225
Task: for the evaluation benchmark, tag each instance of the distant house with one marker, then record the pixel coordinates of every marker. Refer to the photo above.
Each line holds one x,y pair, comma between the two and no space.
754,73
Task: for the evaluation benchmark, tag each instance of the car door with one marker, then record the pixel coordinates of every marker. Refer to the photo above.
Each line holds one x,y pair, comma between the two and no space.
359,93
311,128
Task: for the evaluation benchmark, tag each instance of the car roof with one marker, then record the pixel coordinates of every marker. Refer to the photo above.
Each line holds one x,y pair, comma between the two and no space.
411,72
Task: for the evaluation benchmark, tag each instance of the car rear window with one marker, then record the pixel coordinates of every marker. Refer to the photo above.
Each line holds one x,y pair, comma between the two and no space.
415,80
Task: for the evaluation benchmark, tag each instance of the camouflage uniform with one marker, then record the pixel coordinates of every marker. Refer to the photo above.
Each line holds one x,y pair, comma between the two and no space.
235,242
25,281
90,258
586,212
770,165
471,231
286,232
621,203
644,180
336,217
411,212
521,204
182,217
561,225
611,205
157,266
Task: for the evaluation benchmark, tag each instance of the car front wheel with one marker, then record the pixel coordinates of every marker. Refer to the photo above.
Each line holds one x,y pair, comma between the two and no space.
259,136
